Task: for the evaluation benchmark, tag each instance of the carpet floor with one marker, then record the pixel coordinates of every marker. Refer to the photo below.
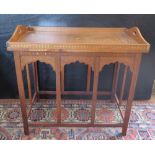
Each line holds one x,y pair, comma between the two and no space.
141,125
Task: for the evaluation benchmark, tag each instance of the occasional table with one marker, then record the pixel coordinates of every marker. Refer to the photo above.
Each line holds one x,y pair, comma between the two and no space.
95,47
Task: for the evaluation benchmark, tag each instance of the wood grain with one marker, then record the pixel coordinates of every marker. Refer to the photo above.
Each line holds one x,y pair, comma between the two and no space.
78,39
96,47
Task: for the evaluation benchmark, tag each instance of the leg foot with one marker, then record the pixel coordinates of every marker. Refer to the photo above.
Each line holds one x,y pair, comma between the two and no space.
124,131
26,131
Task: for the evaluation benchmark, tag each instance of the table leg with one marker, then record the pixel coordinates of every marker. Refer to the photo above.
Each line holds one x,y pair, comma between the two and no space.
29,83
115,79
35,75
123,85
88,78
95,86
131,93
21,92
58,89
62,79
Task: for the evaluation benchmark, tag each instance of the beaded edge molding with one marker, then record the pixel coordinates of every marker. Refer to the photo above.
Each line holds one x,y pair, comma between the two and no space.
49,47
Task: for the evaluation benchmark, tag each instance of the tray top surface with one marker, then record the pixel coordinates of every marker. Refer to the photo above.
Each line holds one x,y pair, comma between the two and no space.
79,37
57,37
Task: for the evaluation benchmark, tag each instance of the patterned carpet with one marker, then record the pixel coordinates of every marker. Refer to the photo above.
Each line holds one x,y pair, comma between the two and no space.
141,126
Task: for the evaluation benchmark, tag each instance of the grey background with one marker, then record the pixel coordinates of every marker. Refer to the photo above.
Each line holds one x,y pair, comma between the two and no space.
75,74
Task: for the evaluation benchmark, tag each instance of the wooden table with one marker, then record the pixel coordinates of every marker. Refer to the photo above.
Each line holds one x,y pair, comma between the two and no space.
95,47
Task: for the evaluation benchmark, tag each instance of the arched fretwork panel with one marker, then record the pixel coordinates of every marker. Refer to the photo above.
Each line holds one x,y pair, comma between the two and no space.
75,76
29,59
71,59
120,75
85,60
106,77
46,77
128,61
82,60
124,77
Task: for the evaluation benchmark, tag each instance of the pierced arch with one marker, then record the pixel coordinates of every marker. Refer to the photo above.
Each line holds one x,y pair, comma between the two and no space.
72,59
124,60
47,60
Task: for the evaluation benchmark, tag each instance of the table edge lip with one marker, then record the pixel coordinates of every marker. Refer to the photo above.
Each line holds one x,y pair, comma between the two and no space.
142,45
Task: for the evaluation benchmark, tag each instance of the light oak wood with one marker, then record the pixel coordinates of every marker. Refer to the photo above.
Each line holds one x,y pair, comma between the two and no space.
123,84
95,86
115,78
88,78
77,39
29,83
21,92
59,46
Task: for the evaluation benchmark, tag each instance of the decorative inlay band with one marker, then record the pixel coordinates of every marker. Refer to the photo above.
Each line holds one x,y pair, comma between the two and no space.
81,47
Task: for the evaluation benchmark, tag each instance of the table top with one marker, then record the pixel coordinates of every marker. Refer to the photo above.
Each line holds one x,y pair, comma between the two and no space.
74,39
